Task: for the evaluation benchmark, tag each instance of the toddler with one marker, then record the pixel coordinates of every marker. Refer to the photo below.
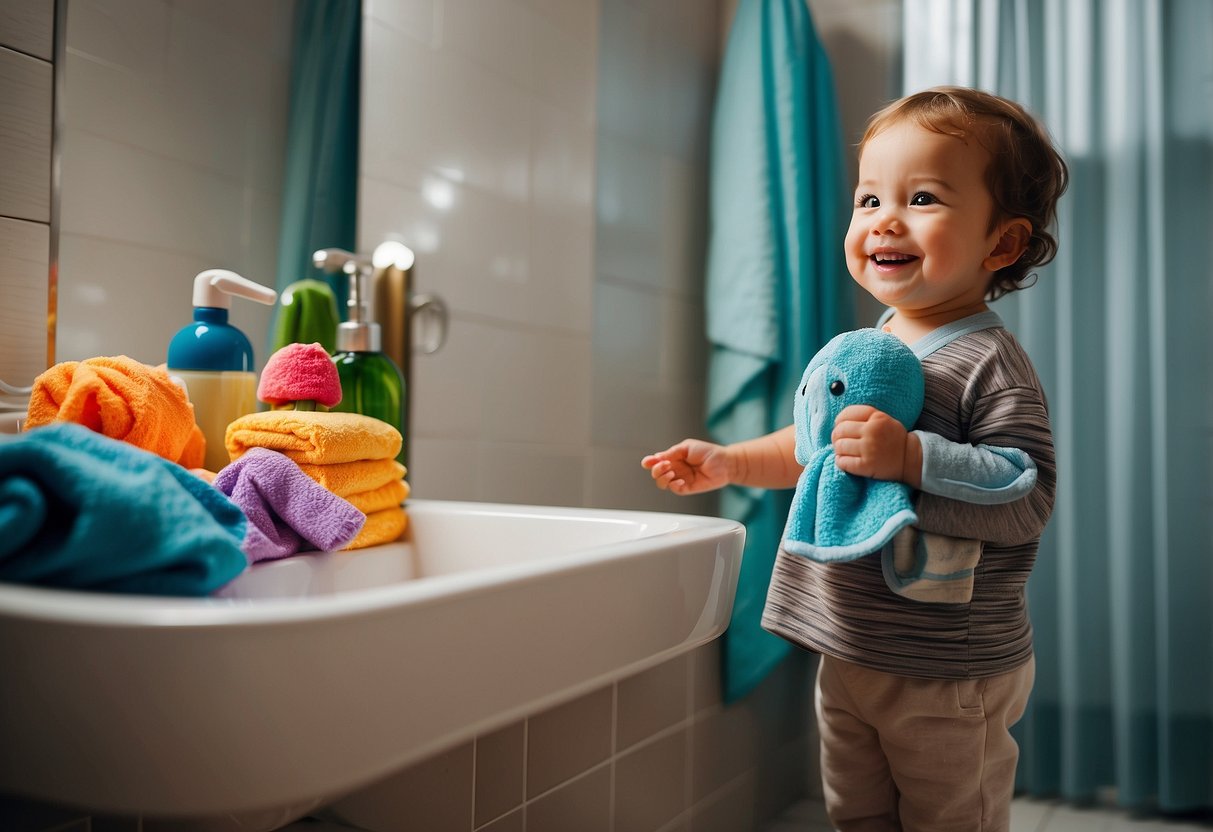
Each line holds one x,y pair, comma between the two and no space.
957,191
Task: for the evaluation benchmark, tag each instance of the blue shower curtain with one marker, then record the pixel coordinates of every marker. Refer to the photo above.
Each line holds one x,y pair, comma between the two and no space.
776,285
320,188
1122,594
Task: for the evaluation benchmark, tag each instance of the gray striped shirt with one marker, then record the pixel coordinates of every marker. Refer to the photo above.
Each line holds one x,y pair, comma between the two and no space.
981,388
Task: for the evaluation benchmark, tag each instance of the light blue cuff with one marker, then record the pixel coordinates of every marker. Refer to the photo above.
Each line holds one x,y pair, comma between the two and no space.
980,474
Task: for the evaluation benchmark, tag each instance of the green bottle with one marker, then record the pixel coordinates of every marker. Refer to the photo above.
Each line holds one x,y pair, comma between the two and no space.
371,383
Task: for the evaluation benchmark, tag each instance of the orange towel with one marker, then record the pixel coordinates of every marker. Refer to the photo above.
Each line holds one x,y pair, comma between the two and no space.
122,399
381,527
348,478
386,496
314,437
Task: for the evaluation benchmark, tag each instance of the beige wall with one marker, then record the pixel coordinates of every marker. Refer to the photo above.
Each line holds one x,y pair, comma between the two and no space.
26,121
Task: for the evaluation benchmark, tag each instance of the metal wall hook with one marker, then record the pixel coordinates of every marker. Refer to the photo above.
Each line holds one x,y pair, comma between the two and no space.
430,323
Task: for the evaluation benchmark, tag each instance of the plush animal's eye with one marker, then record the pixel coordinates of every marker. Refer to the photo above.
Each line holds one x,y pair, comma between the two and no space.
804,391
837,388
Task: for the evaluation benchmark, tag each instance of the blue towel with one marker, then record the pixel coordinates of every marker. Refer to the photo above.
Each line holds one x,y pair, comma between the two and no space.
81,510
777,287
836,515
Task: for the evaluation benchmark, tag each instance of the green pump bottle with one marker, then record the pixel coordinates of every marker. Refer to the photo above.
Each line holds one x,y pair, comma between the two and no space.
371,383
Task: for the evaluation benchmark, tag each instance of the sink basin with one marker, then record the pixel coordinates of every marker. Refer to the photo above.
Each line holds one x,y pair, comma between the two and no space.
310,677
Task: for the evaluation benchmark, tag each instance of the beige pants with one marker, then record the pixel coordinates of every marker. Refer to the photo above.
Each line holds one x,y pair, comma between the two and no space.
921,755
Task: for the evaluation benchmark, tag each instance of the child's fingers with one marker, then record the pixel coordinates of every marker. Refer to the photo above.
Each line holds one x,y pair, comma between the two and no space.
855,413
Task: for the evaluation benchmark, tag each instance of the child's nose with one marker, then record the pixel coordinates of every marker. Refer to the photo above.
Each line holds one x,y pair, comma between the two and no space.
887,221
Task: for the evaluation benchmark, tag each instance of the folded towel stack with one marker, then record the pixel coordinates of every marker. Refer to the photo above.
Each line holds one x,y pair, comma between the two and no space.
122,399
351,455
287,511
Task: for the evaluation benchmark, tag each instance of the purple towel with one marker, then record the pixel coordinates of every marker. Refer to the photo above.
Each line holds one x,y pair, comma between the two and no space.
287,510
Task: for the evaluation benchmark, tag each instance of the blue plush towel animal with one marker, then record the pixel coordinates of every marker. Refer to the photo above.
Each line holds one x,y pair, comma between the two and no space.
835,515
81,510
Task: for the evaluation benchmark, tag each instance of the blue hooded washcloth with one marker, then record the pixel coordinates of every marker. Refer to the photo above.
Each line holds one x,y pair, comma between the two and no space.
80,510
835,515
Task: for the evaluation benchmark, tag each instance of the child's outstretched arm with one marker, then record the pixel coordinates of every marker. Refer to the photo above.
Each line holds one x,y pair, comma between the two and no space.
694,466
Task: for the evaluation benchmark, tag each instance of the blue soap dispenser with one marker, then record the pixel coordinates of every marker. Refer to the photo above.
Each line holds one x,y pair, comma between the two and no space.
215,359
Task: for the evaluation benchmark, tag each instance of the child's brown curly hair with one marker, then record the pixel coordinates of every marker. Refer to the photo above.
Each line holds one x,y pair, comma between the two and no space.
1026,176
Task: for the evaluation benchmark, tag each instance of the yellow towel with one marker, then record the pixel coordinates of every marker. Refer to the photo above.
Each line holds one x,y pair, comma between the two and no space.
314,437
122,399
386,496
381,527
348,478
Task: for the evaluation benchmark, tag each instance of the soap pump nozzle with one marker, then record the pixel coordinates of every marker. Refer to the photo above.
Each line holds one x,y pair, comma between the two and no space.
214,288
359,333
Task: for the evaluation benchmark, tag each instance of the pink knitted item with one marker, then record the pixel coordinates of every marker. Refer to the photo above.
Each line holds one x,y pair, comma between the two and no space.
299,372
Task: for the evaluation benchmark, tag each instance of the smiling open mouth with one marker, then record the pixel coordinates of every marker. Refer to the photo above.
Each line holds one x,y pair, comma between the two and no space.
888,258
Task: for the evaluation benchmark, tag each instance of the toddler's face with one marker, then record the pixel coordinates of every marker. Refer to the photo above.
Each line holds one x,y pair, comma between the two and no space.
920,229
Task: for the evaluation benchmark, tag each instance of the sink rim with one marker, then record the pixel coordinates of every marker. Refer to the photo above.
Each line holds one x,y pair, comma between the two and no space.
48,605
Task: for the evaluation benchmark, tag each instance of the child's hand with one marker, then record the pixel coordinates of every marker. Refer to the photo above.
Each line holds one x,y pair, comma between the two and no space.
690,467
871,443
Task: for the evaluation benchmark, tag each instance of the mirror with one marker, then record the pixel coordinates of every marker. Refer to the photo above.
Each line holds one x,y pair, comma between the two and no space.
172,145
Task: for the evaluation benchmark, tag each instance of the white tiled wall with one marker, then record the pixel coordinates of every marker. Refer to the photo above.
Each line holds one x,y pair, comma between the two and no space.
546,159
175,125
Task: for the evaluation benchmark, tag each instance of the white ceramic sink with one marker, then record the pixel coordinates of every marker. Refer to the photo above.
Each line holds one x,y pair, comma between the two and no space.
316,675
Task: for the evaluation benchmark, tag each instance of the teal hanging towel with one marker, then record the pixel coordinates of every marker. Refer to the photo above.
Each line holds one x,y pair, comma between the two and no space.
320,184
777,288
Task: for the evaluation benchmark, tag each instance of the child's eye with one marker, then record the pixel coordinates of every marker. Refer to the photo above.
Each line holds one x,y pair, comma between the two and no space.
867,201
923,198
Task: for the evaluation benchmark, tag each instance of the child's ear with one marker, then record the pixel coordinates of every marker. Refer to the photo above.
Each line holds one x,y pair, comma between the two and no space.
1012,241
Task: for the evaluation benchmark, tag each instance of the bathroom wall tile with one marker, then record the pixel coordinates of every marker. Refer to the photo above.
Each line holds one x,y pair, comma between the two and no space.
260,27
683,200
498,35
782,704
448,388
730,809
625,88
651,784
419,19
651,701
238,101
546,402
28,26
24,272
578,18
567,740
685,358
164,204
705,677
26,97
724,745
443,469
499,771
152,283
513,822
532,474
564,68
583,805
628,234
133,36
434,795
627,333
400,82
